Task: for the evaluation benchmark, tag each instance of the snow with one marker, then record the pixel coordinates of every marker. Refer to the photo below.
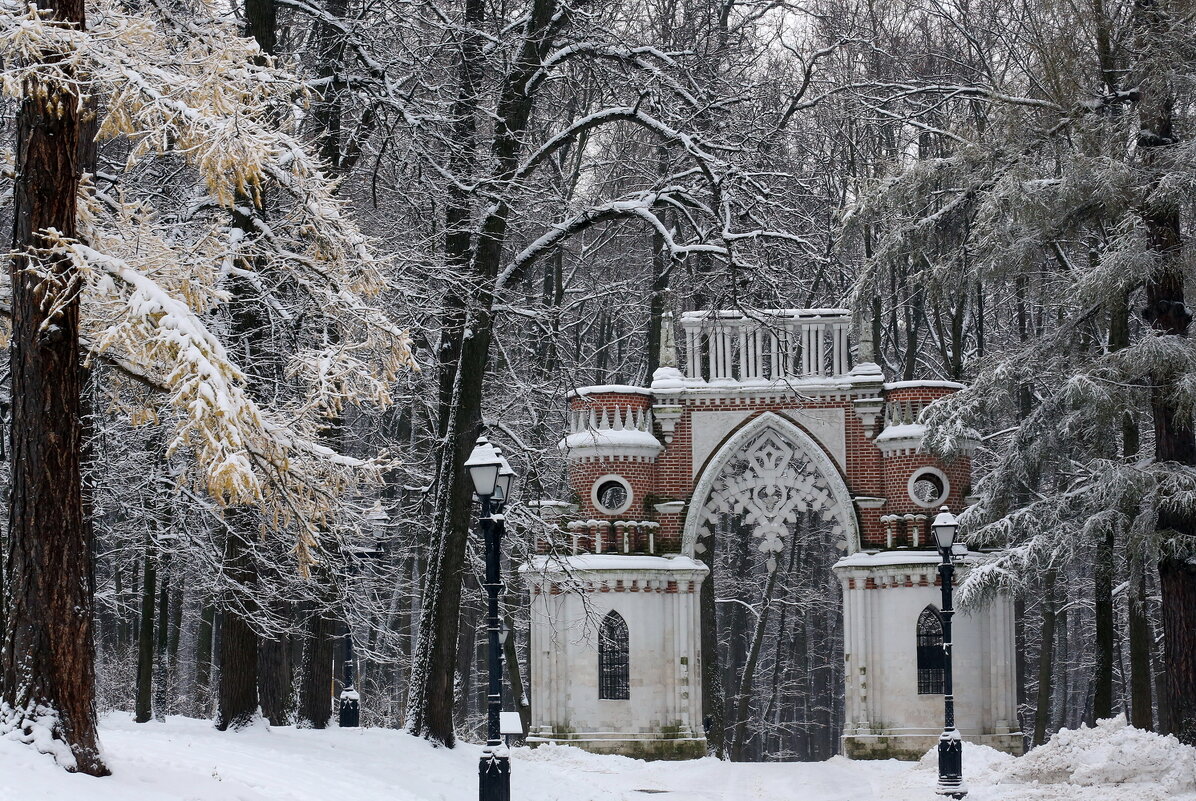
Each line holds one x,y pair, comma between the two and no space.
184,759
889,558
1111,753
611,438
891,385
601,389
903,431
595,562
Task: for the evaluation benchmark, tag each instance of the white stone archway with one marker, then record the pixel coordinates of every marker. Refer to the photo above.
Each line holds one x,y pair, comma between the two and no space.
813,480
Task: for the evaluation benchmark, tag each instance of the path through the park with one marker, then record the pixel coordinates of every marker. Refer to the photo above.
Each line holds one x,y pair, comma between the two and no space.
187,760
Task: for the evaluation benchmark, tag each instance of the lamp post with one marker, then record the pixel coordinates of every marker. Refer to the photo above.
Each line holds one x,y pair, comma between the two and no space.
950,743
492,477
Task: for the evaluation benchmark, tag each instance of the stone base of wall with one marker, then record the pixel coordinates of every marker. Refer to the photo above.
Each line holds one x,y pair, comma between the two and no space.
912,747
650,748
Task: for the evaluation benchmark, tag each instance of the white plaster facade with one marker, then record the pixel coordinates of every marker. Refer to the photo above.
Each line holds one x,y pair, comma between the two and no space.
658,598
883,595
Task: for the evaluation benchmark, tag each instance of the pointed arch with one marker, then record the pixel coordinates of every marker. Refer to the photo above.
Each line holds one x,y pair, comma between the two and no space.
827,492
614,659
932,658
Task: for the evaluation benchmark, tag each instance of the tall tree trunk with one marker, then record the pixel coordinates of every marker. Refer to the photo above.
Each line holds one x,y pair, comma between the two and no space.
1141,643
203,660
48,655
236,697
143,710
515,675
315,690
713,700
1046,661
1175,440
274,680
161,665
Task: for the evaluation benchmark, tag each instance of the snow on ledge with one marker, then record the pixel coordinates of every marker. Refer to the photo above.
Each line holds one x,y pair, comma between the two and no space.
891,385
603,389
866,560
912,432
592,562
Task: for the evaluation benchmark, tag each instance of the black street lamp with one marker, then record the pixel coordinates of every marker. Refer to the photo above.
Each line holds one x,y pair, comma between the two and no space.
950,742
492,477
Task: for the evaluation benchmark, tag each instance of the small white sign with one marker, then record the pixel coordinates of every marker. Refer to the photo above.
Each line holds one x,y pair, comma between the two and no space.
509,723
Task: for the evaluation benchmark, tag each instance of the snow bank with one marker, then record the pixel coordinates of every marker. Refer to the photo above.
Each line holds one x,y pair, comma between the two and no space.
1110,753
184,759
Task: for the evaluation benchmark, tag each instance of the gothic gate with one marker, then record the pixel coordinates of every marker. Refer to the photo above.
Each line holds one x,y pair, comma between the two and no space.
770,431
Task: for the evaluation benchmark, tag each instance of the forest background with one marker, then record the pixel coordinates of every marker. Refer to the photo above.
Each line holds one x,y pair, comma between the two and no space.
320,243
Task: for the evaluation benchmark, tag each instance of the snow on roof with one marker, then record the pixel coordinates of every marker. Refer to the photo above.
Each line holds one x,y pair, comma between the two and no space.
593,562
904,431
889,559
763,313
612,440
891,385
601,389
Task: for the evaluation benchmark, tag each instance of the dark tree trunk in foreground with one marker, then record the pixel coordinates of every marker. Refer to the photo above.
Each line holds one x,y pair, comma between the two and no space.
1102,674
1175,440
143,706
1141,639
48,662
203,661
1046,661
315,689
274,680
236,698
713,699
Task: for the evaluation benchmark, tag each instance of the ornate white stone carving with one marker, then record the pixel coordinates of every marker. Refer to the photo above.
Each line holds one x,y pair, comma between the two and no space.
766,484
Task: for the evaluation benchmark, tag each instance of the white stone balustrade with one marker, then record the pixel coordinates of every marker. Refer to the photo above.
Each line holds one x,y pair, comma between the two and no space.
773,345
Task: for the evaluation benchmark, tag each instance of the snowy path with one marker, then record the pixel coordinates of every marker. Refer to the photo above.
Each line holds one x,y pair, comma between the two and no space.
187,760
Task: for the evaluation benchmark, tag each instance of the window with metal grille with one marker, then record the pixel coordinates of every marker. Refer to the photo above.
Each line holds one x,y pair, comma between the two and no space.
932,660
614,665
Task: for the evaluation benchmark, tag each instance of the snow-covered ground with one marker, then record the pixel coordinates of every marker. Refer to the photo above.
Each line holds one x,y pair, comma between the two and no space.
187,760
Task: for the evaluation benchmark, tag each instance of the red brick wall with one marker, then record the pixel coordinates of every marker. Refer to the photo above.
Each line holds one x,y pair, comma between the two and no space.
670,477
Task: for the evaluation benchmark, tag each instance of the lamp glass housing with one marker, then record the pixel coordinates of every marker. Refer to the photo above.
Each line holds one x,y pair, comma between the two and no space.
483,465
506,476
944,527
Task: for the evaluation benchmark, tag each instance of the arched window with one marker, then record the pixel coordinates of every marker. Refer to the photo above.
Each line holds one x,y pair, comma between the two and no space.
932,659
614,666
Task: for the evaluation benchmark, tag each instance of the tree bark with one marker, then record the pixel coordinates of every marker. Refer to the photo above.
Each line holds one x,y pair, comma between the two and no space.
1175,440
315,690
518,694
1046,661
713,699
143,706
48,661
203,661
236,696
1141,643
274,680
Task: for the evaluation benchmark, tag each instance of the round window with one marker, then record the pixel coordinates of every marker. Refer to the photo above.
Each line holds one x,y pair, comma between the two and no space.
929,487
611,495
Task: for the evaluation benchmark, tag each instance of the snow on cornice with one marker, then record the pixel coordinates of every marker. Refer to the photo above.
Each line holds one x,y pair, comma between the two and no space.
605,389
